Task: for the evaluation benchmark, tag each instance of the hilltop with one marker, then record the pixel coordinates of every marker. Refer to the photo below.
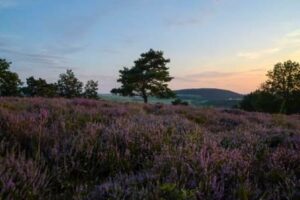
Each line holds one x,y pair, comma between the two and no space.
211,94
209,97
89,149
203,97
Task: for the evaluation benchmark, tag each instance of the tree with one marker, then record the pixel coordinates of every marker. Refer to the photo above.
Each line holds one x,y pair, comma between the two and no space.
178,101
260,101
280,93
283,81
68,85
39,87
148,77
9,81
91,90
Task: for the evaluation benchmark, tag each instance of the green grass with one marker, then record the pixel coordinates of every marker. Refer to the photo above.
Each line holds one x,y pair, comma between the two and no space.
194,100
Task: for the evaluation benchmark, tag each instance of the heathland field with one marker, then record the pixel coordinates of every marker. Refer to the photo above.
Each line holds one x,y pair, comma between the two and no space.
90,149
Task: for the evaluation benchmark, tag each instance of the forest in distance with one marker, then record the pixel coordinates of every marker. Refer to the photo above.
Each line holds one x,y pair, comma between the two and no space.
148,79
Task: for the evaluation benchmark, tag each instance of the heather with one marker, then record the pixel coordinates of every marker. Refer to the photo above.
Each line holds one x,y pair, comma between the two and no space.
92,149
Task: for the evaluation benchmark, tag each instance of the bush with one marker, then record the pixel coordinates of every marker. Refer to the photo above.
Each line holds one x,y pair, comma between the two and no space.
180,102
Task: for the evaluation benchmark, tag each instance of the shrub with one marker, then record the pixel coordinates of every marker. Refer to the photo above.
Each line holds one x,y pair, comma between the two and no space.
88,149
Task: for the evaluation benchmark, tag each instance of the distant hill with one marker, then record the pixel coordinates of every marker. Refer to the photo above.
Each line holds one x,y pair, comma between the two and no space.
197,97
210,97
211,93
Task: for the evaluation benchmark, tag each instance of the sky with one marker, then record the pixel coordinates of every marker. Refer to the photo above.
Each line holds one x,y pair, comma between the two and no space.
227,44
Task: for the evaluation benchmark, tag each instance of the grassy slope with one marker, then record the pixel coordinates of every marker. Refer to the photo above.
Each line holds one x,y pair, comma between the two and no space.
203,97
75,149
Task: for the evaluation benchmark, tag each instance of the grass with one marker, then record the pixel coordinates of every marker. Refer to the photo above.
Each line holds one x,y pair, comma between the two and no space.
194,100
87,149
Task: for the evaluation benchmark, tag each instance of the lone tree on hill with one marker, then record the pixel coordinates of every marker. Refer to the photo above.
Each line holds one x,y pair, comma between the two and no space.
148,77
9,81
68,85
91,90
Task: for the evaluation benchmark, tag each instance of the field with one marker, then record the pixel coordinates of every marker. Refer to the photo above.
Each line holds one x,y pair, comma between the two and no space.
88,149
194,100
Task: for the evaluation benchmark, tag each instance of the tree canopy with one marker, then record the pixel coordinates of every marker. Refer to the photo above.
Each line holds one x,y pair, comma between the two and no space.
9,81
148,77
68,85
91,89
39,87
280,93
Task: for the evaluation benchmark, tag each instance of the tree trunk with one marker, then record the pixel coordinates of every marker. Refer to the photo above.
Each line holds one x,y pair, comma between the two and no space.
144,95
145,98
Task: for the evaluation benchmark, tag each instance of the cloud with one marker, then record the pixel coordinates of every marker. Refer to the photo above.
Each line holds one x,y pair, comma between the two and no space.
191,20
203,15
204,75
185,79
110,51
293,34
257,70
98,77
64,48
52,61
215,75
184,21
290,41
209,74
258,54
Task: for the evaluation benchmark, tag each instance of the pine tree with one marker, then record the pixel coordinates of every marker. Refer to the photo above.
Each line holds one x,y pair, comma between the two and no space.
148,77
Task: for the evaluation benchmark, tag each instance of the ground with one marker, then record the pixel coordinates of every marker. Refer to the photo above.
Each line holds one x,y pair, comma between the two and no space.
88,149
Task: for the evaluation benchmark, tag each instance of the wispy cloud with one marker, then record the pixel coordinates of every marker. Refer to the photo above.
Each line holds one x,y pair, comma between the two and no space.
202,16
258,54
186,21
52,61
289,41
294,34
209,74
63,48
216,75
98,77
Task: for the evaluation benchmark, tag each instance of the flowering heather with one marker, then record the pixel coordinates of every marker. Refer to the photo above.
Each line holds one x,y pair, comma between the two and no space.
88,149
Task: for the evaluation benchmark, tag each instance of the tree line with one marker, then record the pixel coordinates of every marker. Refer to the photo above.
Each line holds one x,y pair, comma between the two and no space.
148,77
280,93
67,85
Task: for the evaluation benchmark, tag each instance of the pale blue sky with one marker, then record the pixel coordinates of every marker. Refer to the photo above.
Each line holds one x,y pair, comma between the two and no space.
211,43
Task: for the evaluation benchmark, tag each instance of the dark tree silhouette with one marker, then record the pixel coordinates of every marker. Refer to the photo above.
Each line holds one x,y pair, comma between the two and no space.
261,101
148,77
91,90
280,93
39,87
9,81
178,101
283,81
69,86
